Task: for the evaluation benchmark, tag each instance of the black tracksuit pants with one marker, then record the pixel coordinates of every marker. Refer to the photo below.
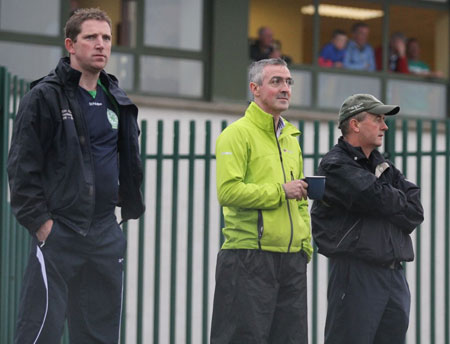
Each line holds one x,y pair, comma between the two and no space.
75,277
260,298
367,304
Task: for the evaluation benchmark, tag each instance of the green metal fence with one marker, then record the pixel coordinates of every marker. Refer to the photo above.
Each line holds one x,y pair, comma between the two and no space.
170,261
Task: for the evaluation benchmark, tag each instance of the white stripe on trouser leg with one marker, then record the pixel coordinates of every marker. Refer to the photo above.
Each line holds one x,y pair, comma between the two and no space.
121,306
40,258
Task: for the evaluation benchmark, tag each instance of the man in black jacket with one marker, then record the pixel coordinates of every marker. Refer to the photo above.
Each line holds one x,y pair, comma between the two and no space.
363,224
74,157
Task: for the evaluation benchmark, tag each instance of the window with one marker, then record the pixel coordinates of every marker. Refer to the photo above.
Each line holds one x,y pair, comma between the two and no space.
123,18
42,16
122,66
173,24
29,61
428,33
171,76
292,32
349,24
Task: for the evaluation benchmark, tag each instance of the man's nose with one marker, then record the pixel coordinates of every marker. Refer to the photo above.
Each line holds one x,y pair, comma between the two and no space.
285,86
100,43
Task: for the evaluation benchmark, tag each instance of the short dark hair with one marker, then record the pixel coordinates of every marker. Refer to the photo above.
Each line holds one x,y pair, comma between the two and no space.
261,30
73,24
338,32
358,25
345,125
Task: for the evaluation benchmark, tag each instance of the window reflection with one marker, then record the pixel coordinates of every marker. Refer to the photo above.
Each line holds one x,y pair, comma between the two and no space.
16,57
42,16
174,24
171,76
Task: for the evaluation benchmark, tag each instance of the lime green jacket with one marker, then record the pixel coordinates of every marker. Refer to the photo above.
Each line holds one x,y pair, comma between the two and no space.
252,166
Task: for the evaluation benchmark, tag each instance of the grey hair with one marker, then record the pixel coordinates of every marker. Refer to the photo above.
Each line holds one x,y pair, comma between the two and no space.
255,71
345,126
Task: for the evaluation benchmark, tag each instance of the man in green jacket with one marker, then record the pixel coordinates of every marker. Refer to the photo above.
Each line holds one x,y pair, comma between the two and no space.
260,294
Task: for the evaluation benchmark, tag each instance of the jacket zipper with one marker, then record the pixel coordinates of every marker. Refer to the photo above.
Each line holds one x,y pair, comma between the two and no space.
347,233
88,148
288,206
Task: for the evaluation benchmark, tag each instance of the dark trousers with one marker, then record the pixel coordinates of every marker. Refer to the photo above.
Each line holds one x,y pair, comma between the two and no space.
367,304
260,297
75,277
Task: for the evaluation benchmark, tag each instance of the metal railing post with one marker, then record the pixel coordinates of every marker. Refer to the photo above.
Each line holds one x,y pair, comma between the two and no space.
173,258
190,232
158,217
141,235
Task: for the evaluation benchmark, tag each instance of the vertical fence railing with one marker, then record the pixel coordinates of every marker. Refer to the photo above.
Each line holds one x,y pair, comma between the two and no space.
447,232
4,106
141,240
15,240
190,232
418,238
173,258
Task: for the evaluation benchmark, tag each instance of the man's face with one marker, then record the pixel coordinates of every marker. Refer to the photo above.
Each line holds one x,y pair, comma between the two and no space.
340,41
361,36
274,93
266,38
371,131
413,50
91,49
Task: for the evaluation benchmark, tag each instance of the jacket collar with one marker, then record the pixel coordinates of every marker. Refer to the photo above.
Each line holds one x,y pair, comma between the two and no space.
69,78
264,121
357,154
63,74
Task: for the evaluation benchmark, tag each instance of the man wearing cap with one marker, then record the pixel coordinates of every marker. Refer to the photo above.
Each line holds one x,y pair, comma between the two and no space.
363,224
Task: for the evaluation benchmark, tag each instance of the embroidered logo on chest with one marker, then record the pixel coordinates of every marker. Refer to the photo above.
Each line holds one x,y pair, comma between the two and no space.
112,118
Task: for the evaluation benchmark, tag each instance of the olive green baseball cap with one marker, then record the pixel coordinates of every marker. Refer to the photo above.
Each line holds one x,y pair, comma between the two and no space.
358,103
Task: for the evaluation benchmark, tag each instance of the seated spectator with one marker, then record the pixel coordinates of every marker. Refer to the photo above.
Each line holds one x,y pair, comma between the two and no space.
359,54
265,47
332,54
397,61
415,65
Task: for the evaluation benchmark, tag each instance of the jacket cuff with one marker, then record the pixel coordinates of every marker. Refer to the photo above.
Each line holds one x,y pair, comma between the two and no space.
283,194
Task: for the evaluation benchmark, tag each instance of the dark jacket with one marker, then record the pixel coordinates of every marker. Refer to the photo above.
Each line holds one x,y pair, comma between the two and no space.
50,165
369,209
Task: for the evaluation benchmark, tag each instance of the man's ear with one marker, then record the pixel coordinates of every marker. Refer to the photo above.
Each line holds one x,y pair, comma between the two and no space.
354,125
68,43
254,88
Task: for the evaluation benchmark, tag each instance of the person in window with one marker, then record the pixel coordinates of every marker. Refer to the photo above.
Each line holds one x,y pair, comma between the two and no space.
397,60
332,54
265,47
415,65
359,54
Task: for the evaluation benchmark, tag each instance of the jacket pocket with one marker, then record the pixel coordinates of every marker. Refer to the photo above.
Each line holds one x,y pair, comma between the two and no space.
260,227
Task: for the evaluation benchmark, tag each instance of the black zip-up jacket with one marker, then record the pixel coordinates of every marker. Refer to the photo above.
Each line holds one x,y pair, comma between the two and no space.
50,165
369,209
